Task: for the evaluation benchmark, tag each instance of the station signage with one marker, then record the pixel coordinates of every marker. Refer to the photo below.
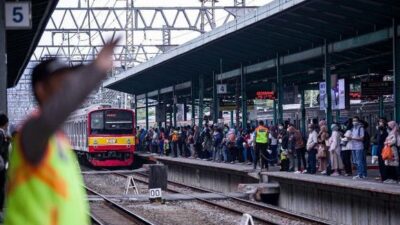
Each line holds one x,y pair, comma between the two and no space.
265,95
355,95
376,88
222,89
18,15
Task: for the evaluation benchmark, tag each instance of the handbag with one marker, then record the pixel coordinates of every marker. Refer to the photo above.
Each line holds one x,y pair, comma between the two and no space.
387,153
321,151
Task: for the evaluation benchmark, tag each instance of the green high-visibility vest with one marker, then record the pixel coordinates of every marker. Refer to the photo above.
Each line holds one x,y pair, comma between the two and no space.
261,135
50,193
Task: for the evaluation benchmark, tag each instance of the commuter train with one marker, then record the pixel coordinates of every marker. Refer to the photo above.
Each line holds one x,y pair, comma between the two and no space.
102,135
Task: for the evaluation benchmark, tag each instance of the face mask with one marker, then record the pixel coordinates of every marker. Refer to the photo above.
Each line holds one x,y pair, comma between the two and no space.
310,130
377,127
355,123
280,127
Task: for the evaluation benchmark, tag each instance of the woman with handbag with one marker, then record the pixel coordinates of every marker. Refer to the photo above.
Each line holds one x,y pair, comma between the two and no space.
322,154
392,159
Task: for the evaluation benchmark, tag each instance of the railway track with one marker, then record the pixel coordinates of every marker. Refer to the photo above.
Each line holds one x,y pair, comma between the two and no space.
111,213
246,206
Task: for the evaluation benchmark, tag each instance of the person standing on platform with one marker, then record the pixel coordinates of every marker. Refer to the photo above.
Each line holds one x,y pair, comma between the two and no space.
379,141
217,140
347,149
197,141
261,146
334,150
273,145
4,144
312,145
392,140
45,185
300,152
323,154
291,148
175,141
357,143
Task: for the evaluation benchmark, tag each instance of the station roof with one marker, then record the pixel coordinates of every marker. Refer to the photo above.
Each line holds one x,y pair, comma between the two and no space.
295,26
22,43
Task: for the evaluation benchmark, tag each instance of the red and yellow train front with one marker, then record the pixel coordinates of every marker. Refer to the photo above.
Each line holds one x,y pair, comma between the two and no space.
111,139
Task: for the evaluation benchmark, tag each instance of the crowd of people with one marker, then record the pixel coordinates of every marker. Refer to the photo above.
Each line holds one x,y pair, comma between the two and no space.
337,151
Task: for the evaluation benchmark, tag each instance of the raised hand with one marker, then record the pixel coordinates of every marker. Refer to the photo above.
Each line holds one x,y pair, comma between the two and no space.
104,59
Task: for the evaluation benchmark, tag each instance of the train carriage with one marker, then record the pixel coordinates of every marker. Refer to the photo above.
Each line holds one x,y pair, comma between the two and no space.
102,135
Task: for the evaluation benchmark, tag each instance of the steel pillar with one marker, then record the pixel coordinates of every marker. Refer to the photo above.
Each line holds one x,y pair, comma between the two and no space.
184,110
381,107
136,111
159,123
232,121
175,101
244,97
147,111
396,71
215,99
328,81
303,113
279,86
3,63
193,99
275,112
201,100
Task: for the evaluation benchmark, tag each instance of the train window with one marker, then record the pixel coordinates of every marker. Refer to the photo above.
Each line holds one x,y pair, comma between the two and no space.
97,122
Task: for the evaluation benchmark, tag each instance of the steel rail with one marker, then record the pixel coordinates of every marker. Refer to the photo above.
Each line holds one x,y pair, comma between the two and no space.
133,216
271,209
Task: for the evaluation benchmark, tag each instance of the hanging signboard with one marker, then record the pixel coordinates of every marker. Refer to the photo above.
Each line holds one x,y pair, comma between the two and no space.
265,95
222,89
376,88
18,15
338,95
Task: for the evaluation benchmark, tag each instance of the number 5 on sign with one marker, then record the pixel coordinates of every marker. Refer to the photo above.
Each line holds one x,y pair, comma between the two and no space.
18,15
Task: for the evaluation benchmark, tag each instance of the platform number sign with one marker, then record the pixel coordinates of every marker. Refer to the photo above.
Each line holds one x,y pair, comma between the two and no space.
222,89
155,193
18,15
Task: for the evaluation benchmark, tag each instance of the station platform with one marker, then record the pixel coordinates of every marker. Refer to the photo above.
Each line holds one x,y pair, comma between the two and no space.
222,177
338,199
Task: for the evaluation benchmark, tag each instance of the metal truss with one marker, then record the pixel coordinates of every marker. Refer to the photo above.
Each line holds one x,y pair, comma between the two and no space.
78,32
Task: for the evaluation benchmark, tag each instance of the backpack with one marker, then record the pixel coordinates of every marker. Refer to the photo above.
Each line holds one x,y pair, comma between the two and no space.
366,139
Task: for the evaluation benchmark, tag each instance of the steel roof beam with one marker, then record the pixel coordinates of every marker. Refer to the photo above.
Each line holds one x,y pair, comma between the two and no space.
336,47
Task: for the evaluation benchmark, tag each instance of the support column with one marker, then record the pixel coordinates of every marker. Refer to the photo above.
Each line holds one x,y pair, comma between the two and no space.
215,100
237,102
193,99
327,73
201,100
244,97
275,112
396,71
279,90
3,64
175,101
159,123
232,122
136,111
303,113
184,110
147,112
381,107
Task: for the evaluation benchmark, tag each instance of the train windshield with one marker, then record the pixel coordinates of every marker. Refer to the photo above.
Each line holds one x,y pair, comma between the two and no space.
111,122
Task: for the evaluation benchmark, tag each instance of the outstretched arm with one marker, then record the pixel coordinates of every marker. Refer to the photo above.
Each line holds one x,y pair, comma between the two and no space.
75,88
